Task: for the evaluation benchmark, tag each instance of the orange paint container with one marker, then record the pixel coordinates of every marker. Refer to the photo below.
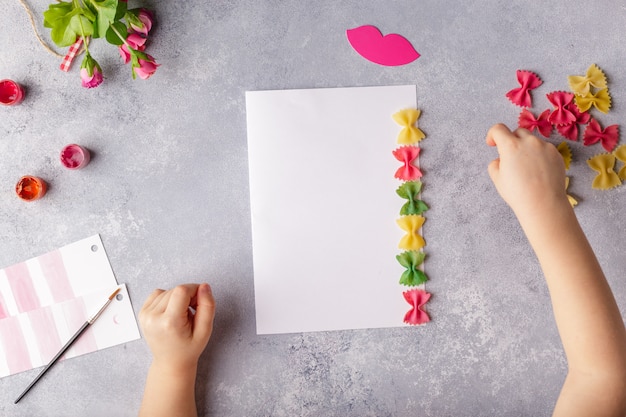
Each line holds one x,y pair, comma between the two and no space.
30,188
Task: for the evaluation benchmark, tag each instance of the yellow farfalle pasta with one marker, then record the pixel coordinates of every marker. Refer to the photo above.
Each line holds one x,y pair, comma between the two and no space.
601,100
566,154
411,225
620,153
410,133
571,199
581,85
606,178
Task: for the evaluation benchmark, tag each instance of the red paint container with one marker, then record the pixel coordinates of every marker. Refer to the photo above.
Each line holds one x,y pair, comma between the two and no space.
30,188
10,92
74,156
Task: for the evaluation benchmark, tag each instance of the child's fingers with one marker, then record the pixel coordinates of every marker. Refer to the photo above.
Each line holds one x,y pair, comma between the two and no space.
494,169
205,312
500,136
180,299
152,299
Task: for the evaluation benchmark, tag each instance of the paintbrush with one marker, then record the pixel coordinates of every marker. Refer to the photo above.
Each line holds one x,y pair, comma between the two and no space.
80,331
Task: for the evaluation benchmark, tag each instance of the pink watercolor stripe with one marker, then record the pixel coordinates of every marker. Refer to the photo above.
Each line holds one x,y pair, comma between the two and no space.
22,287
76,315
3,311
53,269
45,330
14,345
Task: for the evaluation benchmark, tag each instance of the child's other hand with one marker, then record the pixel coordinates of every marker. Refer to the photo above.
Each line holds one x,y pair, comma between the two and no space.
176,336
529,174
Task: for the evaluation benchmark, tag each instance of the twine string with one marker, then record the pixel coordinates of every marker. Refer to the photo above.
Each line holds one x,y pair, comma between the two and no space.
32,23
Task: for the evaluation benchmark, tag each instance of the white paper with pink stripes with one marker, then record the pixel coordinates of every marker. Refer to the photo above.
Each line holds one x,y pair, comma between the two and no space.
44,300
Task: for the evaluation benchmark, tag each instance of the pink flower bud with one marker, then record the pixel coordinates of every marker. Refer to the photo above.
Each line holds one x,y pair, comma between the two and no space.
146,19
136,42
90,81
146,68
124,53
90,72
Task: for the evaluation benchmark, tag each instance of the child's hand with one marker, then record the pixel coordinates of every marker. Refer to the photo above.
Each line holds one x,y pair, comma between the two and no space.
529,174
176,336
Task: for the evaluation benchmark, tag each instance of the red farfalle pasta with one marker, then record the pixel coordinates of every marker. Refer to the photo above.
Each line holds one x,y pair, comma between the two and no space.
417,298
608,137
528,121
561,115
407,155
521,96
570,131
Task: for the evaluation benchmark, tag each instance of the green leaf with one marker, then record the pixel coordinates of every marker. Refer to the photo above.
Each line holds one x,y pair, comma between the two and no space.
106,11
58,18
56,11
81,25
113,37
122,7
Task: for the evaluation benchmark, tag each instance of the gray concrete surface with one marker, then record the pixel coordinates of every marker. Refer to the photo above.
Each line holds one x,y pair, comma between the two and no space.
167,189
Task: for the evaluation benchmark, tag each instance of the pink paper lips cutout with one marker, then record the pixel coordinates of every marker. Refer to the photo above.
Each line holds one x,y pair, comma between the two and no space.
390,50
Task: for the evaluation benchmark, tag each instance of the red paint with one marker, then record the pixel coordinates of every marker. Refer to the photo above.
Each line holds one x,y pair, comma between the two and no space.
30,188
53,269
74,156
46,333
22,287
14,345
10,92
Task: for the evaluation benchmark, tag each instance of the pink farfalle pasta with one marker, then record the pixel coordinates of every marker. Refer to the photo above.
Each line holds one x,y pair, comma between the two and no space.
521,96
561,114
571,130
608,137
408,156
416,298
528,121
411,224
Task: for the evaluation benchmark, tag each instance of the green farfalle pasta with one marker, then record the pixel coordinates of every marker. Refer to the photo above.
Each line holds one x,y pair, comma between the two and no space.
410,190
411,260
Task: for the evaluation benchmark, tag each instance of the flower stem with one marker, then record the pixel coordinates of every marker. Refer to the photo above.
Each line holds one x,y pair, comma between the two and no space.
82,29
119,35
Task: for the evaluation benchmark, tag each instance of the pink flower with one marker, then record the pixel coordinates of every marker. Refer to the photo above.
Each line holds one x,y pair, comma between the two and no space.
90,72
146,68
90,81
145,22
136,42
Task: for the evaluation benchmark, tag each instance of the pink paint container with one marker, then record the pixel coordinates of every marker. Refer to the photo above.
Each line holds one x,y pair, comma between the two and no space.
30,188
10,92
74,156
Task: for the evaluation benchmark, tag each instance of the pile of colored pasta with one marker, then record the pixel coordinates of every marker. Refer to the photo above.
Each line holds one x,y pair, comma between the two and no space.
571,111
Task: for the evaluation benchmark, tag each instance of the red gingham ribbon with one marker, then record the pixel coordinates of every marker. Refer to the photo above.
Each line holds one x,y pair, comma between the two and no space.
71,54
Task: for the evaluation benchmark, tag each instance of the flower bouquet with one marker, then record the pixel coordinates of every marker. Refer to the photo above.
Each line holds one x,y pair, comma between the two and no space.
74,23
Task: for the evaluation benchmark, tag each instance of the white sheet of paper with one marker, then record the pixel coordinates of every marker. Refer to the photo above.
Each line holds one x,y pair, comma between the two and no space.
324,208
45,300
